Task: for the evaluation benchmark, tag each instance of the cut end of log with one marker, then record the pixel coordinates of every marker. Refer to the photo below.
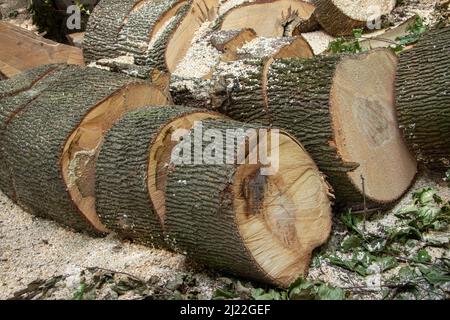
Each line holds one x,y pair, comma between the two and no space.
161,152
283,217
230,41
269,18
200,12
82,147
365,125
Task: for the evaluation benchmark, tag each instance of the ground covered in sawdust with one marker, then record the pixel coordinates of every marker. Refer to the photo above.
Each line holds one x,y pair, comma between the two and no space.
386,257
399,254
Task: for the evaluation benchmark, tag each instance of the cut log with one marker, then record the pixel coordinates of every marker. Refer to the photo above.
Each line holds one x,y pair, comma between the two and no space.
76,39
341,17
51,143
305,24
230,41
268,18
246,79
103,28
16,93
423,98
342,109
388,37
132,170
213,93
155,34
18,43
238,218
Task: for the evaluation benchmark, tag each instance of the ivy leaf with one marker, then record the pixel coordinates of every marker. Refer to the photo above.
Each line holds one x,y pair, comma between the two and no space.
325,292
406,274
386,263
220,294
302,291
434,276
404,233
376,245
351,242
351,221
422,256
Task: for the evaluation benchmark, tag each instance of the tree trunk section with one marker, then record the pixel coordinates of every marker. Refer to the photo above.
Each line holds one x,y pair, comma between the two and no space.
233,218
341,17
131,170
423,98
50,143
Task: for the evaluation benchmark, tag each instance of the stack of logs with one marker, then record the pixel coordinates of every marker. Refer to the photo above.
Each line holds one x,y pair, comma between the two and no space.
95,150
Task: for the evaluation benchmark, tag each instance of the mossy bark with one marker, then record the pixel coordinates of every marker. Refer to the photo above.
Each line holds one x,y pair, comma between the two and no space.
36,135
423,98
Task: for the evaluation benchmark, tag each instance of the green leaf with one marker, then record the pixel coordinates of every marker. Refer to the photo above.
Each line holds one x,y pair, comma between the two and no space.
422,256
270,295
224,294
351,221
406,274
79,294
376,245
404,233
351,242
357,33
325,292
302,291
434,276
386,263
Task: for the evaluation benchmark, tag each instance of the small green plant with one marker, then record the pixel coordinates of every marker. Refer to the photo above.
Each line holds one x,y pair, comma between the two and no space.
79,294
414,33
346,45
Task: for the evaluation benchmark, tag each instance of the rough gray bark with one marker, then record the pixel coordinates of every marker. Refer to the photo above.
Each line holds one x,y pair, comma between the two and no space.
15,94
423,98
123,201
36,135
200,220
102,31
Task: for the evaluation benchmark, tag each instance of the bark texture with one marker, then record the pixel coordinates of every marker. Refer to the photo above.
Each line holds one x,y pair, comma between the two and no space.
135,36
123,201
423,98
298,100
36,135
102,31
334,21
200,220
15,94
239,91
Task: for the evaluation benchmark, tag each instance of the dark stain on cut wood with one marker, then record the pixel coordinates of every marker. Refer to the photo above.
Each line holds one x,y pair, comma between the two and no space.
253,191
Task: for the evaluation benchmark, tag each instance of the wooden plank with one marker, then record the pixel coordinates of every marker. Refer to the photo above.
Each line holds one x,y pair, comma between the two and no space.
22,50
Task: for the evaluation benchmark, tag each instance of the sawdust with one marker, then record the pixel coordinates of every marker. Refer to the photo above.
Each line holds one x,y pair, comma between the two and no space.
32,248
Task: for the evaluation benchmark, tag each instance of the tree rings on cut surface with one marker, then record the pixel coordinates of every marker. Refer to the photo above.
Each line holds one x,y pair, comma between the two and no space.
242,219
132,170
51,144
342,108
